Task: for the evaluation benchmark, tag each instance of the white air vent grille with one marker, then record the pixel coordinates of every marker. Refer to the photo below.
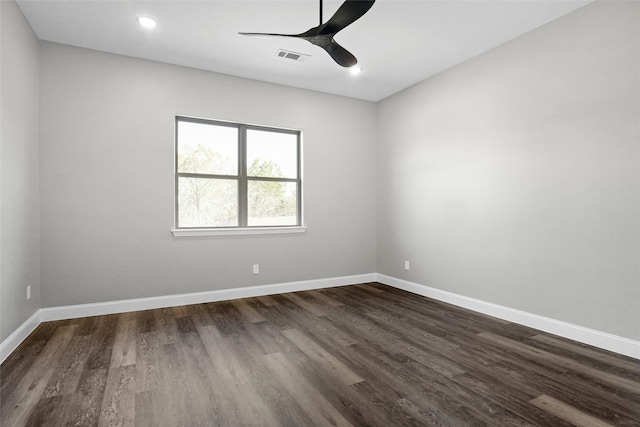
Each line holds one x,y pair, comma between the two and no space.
300,57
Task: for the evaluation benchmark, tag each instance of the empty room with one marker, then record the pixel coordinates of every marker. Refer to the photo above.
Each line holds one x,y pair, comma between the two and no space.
320,213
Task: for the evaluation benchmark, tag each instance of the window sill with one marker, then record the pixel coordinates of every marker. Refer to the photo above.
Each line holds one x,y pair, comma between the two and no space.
198,232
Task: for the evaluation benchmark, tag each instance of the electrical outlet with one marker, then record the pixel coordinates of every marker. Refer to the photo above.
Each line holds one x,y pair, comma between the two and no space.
256,268
406,265
29,292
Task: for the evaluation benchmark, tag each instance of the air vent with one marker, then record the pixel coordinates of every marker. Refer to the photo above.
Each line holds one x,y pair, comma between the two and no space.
300,57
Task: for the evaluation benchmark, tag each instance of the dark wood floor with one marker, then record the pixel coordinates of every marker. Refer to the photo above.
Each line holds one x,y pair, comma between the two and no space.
364,355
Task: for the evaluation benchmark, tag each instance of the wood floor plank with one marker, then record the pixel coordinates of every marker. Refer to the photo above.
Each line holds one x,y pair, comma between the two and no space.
124,346
527,379
278,316
201,391
313,403
323,358
248,312
165,404
241,401
597,358
267,300
147,362
372,401
172,399
427,415
319,295
118,404
47,412
84,407
404,329
268,338
567,412
199,313
450,392
388,379
31,388
380,339
18,365
314,309
150,412
361,355
102,341
354,402
227,318
605,377
145,321
284,407
504,396
165,326
319,325
71,363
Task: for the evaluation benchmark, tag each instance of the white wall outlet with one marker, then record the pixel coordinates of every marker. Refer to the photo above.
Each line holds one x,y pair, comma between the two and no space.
407,266
256,268
29,292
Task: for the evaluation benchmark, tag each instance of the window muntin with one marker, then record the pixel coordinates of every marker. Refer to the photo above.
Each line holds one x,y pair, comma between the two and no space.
231,175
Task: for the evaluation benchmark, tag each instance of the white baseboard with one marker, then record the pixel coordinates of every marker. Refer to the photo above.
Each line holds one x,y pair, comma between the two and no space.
592,337
95,309
13,341
614,343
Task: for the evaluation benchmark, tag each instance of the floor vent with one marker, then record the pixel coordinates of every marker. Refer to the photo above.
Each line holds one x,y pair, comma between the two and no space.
300,57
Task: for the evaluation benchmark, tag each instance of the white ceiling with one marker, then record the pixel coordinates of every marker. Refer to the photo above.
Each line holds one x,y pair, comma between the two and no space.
398,42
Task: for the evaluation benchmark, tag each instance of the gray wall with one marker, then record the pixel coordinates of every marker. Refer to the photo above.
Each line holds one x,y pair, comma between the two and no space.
107,180
513,178
19,193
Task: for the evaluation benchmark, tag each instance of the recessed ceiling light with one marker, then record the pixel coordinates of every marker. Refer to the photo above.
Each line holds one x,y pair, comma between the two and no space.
355,70
147,22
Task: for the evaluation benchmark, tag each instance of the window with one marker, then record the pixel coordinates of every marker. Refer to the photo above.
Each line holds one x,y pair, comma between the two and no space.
231,175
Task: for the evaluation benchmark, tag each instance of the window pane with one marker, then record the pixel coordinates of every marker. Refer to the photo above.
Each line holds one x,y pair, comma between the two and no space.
272,154
207,202
272,203
207,148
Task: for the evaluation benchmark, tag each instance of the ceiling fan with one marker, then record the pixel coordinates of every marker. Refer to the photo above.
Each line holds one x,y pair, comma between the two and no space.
322,35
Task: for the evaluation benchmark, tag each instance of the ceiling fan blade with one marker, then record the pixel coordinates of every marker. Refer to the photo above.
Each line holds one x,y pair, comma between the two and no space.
349,12
339,54
268,34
